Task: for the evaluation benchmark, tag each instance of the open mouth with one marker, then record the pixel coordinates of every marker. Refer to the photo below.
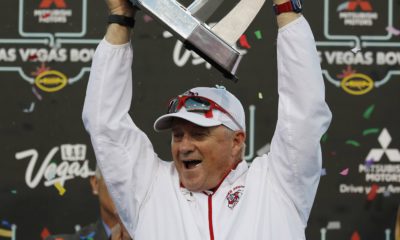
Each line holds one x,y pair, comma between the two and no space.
190,164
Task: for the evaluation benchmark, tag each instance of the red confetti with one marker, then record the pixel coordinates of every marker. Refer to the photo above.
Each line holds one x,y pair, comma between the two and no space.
32,57
46,15
45,233
373,192
243,42
355,236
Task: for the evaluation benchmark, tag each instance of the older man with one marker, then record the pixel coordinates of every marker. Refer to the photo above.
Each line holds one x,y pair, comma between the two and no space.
208,191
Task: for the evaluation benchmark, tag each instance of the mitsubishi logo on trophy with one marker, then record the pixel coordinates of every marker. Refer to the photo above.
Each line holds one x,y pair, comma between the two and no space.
214,44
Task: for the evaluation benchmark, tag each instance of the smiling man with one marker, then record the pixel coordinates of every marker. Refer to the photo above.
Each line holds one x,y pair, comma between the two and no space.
208,191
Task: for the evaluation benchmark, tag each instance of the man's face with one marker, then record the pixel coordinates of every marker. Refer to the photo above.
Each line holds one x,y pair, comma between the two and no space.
203,156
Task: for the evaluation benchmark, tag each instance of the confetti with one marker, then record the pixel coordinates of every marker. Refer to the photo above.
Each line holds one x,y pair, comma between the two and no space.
324,137
32,57
343,6
77,228
45,233
323,172
355,236
370,131
355,50
258,34
167,34
260,95
334,225
61,189
50,174
386,193
30,109
373,192
243,42
5,233
369,162
36,93
344,172
87,237
5,223
393,30
147,18
46,15
367,113
352,142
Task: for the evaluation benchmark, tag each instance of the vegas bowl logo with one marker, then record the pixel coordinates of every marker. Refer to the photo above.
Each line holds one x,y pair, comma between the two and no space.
359,35
51,38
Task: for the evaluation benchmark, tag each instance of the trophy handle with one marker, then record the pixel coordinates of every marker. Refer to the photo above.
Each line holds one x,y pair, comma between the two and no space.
203,9
235,23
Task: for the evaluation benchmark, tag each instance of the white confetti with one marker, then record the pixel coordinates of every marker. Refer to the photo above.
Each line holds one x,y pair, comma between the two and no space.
333,225
355,50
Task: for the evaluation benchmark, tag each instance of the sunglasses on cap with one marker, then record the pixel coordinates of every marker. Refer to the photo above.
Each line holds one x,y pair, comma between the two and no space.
200,104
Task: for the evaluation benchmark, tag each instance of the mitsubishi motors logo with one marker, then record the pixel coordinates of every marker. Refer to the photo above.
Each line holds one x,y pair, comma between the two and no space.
378,171
47,14
352,16
384,140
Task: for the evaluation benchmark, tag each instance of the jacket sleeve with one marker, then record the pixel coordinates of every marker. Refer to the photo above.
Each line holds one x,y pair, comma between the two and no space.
303,117
123,152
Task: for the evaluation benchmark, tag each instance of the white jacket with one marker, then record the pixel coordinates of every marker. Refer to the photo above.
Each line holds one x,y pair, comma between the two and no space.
270,200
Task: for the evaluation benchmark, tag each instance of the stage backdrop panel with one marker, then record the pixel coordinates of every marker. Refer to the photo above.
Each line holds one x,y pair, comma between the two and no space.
46,48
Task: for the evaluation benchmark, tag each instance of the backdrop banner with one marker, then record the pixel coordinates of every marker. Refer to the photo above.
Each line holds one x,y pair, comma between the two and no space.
46,48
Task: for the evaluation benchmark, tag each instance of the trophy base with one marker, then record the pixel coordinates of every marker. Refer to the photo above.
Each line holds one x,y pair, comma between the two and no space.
215,51
195,35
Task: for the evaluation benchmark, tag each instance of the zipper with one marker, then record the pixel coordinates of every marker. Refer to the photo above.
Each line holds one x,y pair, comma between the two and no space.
210,222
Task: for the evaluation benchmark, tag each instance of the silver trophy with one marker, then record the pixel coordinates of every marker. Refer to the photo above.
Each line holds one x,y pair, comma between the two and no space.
214,44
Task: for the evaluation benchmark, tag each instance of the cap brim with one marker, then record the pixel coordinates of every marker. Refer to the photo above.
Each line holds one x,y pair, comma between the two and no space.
165,121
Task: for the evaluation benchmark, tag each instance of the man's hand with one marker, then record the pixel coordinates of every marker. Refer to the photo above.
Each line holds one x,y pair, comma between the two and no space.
119,232
117,34
121,7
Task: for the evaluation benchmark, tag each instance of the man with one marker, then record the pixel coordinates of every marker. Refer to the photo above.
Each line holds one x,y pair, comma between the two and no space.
107,225
208,191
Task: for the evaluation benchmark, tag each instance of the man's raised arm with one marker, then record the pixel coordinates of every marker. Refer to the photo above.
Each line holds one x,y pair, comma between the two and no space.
124,153
303,115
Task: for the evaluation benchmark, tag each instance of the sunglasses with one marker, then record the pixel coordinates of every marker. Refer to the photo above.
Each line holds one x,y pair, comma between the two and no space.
198,104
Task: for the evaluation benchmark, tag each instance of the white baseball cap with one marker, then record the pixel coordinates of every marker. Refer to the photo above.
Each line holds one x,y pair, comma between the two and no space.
233,118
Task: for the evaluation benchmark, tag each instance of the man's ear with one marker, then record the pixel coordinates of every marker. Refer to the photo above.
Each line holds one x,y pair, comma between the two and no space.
95,185
239,139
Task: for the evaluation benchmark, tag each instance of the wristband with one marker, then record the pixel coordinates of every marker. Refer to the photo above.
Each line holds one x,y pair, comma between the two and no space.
121,20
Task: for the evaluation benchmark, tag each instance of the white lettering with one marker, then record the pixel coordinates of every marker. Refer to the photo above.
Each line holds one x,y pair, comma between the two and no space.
66,170
8,55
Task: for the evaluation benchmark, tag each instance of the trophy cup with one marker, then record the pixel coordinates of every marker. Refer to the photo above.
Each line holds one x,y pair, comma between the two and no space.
214,44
